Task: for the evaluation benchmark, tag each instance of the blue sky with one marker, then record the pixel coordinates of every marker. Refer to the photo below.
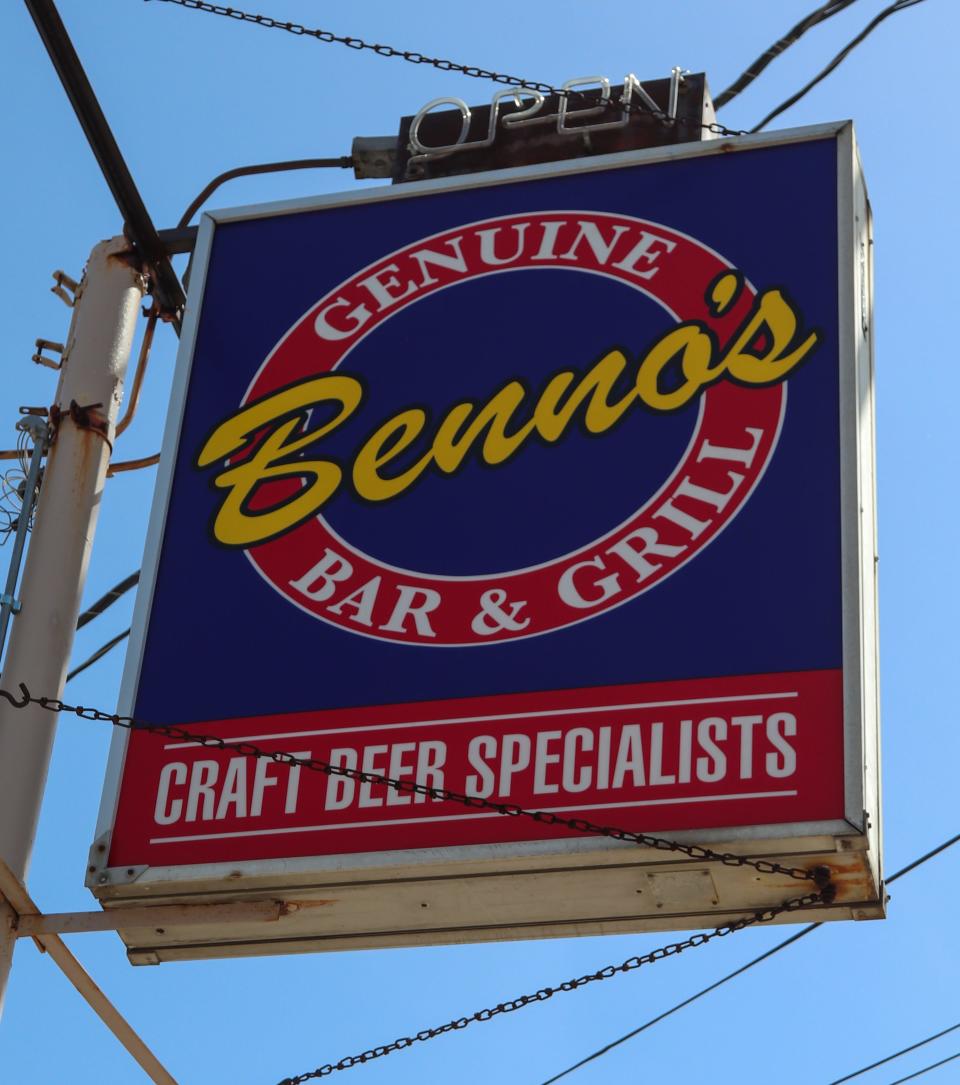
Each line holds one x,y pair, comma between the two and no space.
189,95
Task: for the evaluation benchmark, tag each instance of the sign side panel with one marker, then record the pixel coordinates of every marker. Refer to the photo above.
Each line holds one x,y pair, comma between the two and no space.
869,558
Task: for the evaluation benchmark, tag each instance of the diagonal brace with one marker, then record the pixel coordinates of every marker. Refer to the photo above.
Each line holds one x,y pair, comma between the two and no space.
18,899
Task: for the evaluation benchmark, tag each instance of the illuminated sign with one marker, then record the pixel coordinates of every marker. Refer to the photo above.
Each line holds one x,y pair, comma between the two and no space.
632,98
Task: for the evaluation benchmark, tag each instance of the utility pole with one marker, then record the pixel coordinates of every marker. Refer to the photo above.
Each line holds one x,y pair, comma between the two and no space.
83,418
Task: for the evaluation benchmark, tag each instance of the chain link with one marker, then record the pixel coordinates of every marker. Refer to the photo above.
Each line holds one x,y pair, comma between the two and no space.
820,876
823,896
412,57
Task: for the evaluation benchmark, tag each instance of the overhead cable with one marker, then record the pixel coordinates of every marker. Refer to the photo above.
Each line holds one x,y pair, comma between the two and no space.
508,1006
99,654
926,1069
809,929
94,611
896,1055
97,608
686,1002
892,9
821,14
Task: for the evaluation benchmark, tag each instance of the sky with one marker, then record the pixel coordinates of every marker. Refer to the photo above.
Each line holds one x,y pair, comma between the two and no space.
189,95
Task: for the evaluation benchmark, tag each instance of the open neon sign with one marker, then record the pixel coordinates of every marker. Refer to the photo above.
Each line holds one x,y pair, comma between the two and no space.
525,115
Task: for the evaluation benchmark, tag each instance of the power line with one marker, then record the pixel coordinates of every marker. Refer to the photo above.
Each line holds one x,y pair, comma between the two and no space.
828,10
94,611
97,608
544,993
910,867
892,9
926,857
686,1002
821,14
896,1055
926,1069
99,654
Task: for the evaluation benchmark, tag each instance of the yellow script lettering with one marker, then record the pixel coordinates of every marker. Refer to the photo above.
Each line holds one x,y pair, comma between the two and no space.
235,524
766,347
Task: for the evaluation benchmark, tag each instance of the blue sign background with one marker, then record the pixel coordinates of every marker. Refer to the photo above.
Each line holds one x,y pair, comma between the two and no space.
763,597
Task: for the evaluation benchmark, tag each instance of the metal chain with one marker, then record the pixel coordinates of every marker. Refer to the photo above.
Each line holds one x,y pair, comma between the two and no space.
819,875
823,896
413,57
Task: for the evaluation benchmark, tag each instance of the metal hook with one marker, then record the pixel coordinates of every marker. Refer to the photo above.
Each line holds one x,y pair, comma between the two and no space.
17,704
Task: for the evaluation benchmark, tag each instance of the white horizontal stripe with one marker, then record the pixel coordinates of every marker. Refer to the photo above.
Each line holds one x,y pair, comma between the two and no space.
504,716
465,817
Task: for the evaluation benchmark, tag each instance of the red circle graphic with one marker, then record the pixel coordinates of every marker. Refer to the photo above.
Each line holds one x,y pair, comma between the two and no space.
735,435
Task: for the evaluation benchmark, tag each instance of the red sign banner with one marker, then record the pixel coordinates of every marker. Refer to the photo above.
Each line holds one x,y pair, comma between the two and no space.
761,748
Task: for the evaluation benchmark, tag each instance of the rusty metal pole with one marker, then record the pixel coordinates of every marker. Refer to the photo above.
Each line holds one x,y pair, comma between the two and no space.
88,396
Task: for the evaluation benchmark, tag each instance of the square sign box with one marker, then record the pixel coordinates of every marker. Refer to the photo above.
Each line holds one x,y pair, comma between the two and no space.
550,486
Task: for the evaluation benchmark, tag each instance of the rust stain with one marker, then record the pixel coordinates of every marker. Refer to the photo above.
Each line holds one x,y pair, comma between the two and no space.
127,258
88,419
851,878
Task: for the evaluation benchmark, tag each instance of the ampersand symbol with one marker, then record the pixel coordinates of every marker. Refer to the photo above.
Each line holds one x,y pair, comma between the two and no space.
492,618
